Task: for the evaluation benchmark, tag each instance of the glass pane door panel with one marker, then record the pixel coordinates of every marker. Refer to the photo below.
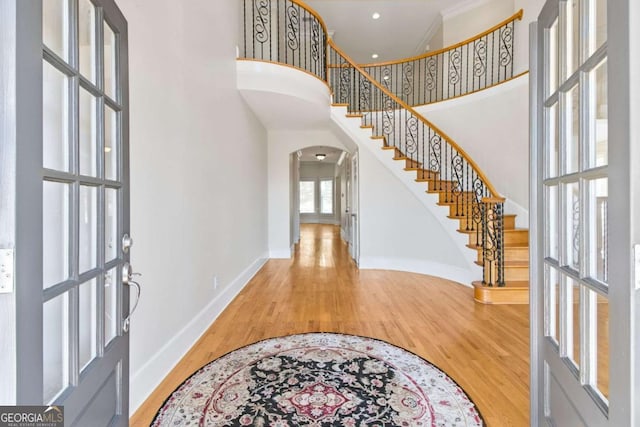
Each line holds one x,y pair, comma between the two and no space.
110,62
111,239
552,305
602,348
87,39
573,320
597,230
326,196
572,135
88,218
552,140
110,144
598,155
55,322
55,100
88,322
552,238
88,134
600,23
55,26
110,305
552,59
572,35
307,196
571,214
55,238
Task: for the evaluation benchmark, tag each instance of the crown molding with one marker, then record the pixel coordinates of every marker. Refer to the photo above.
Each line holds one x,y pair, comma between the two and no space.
461,8
431,31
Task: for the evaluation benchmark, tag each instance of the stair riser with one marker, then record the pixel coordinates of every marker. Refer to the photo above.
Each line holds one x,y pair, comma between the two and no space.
512,274
517,237
422,174
436,186
454,198
514,253
509,222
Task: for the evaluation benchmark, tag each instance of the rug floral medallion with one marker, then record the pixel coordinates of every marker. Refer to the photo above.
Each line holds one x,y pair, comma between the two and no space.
319,379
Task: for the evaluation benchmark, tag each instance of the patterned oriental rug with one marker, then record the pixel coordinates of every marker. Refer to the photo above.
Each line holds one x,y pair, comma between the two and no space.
319,379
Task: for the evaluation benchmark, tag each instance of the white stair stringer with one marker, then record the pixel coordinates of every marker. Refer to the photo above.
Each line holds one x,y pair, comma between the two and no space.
351,126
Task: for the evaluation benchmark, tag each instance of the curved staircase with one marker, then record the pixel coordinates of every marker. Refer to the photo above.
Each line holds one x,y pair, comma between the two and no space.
434,158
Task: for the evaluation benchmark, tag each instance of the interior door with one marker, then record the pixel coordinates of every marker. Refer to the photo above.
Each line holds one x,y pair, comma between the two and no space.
354,242
73,210
583,338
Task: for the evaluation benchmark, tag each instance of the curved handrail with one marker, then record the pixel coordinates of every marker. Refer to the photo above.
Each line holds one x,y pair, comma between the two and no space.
474,64
518,15
403,104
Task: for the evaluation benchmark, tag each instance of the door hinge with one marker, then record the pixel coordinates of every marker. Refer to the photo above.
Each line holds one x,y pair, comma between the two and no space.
6,271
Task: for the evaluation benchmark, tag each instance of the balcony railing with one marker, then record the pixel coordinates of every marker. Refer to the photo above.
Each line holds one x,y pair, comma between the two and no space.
286,32
472,65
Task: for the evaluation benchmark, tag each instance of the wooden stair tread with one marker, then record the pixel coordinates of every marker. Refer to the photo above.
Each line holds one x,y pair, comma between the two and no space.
509,230
514,292
339,105
508,245
513,264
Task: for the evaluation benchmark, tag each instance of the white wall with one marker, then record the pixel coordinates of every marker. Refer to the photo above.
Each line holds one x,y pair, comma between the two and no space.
492,126
461,23
198,177
521,47
400,225
281,144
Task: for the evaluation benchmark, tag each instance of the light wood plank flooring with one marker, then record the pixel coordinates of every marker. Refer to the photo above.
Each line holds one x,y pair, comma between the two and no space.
484,348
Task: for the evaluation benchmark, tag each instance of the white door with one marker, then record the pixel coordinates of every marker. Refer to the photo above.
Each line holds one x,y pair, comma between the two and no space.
354,241
72,206
584,338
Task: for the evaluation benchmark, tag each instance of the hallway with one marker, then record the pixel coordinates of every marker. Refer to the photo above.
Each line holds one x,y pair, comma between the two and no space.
484,348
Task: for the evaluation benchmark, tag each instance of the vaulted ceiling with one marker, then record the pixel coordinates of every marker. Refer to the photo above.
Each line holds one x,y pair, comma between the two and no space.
401,31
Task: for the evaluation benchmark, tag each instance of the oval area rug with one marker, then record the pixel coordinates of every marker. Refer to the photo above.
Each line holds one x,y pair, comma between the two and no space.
319,379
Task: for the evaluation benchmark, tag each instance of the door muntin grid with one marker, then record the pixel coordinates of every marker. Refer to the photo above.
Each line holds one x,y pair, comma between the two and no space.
82,190
575,192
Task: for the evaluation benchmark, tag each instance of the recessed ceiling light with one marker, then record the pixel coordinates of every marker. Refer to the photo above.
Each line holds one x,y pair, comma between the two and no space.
375,15
374,56
386,77
321,156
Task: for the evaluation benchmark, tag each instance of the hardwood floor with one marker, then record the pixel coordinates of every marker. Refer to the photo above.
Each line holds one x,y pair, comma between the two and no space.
485,348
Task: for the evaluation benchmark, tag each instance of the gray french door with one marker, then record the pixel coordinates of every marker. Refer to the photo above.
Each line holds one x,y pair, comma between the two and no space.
72,209
583,296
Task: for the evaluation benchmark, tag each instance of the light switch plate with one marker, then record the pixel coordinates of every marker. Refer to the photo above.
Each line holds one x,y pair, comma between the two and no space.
6,271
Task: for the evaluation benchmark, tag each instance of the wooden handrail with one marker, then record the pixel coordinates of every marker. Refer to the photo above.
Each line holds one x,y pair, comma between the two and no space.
447,138
515,16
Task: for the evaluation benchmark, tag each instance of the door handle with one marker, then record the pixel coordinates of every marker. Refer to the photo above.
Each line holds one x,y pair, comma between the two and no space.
127,276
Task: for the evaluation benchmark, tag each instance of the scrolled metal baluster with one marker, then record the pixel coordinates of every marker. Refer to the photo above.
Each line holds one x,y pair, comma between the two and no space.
454,67
457,165
412,135
407,80
365,94
506,46
479,58
345,83
261,24
293,27
315,41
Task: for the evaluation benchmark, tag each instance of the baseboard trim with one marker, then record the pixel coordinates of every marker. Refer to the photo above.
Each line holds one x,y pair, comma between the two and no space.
149,376
280,253
445,271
